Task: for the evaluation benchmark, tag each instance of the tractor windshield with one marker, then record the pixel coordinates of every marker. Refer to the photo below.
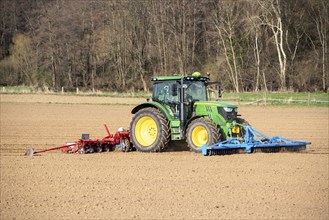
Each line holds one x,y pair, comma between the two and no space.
195,90
166,91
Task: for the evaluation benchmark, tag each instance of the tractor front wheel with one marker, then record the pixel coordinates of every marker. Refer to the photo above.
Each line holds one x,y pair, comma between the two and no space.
149,130
202,131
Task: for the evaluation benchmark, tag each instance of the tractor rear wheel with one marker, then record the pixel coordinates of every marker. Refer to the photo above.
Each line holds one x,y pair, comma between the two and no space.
202,131
149,130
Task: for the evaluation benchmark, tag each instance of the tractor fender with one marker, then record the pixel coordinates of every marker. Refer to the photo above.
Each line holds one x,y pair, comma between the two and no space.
192,119
156,105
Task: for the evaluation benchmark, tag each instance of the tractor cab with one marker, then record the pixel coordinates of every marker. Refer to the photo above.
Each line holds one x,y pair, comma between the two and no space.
181,93
169,91
175,92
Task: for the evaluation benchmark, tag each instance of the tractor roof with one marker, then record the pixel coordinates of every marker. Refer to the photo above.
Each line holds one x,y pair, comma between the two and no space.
189,78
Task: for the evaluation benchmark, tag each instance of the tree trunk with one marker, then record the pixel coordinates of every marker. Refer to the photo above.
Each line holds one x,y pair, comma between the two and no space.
145,88
256,53
278,32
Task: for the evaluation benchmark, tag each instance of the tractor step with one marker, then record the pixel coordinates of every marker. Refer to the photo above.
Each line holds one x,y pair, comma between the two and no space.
254,141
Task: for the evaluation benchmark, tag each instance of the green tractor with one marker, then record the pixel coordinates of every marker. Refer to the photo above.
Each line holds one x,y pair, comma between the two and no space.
180,110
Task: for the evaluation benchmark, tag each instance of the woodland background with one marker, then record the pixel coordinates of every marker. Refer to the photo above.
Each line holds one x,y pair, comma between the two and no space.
118,45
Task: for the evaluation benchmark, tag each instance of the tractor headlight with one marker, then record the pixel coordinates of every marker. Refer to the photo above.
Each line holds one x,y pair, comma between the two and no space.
228,109
235,129
227,113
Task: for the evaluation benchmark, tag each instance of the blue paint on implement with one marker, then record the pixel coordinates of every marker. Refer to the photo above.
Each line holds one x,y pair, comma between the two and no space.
254,140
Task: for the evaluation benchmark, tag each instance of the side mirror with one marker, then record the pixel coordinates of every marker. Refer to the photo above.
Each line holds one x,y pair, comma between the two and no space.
174,90
219,91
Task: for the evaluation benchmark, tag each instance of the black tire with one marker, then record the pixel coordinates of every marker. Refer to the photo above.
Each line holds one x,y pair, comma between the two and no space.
126,145
91,150
106,148
244,123
99,149
149,130
202,131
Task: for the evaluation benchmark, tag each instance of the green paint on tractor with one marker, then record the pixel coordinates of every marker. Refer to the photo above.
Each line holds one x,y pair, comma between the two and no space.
180,110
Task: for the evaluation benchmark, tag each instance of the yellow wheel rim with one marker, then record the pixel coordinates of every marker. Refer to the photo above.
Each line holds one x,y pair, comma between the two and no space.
199,136
146,131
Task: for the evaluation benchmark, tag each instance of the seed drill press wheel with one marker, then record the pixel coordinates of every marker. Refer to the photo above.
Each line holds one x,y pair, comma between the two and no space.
125,145
99,148
202,131
149,130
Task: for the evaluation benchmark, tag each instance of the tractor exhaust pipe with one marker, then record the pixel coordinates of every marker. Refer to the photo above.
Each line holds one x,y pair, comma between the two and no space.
181,110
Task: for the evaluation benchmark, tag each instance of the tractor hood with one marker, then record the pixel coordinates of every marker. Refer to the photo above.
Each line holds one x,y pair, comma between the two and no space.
215,104
219,112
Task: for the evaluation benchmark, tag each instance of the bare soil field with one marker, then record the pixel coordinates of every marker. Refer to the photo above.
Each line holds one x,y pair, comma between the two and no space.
175,184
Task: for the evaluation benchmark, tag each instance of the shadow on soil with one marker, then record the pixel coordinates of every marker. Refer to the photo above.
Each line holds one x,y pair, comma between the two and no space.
176,146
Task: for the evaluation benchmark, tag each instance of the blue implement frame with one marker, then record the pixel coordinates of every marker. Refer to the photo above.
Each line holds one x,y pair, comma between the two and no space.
252,139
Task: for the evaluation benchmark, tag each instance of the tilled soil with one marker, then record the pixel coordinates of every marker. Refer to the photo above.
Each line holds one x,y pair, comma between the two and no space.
175,184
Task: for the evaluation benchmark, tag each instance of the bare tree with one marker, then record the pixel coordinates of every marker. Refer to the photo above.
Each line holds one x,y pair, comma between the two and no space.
22,57
226,22
273,18
320,18
120,45
253,23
